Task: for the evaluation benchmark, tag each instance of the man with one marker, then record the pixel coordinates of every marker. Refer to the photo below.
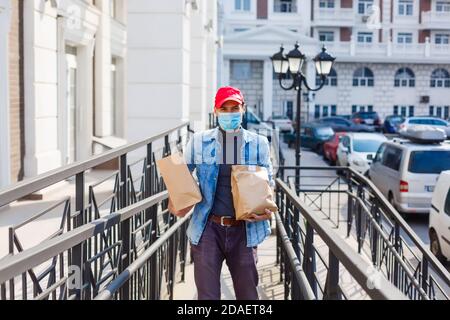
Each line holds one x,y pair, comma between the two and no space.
214,233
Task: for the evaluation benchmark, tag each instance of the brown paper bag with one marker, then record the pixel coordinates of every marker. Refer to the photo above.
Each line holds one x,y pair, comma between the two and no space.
183,189
251,191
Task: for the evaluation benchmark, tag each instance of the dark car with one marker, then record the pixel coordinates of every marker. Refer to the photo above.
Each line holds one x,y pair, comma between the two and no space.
314,135
391,123
339,124
369,118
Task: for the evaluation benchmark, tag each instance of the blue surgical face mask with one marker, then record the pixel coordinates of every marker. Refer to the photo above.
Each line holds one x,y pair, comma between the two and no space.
230,121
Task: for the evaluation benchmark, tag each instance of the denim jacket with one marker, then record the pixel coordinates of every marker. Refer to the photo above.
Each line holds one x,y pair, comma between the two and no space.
201,155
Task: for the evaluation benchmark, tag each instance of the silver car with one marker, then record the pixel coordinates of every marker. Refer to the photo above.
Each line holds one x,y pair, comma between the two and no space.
428,121
406,173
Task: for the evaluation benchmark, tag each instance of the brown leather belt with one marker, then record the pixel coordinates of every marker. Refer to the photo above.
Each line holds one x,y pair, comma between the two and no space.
225,221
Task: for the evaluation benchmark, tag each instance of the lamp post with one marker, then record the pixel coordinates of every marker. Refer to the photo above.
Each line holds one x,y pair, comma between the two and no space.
292,64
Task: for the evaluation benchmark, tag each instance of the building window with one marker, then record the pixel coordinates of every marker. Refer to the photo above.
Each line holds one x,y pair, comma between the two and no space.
440,78
333,110
358,108
404,111
405,8
404,37
443,6
404,78
326,4
331,80
440,111
324,111
365,6
442,38
242,5
288,106
284,6
365,37
363,77
241,70
317,111
326,36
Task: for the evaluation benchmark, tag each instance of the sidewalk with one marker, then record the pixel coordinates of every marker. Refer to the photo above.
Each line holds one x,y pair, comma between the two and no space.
270,287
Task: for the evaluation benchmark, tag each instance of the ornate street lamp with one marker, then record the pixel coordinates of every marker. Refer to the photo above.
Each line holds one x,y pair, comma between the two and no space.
292,64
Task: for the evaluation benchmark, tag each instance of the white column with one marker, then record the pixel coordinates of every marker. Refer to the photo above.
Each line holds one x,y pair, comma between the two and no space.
5,172
197,110
158,66
225,73
85,107
103,103
212,56
41,89
268,89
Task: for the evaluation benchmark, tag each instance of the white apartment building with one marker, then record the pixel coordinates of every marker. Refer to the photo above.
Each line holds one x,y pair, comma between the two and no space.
393,56
78,77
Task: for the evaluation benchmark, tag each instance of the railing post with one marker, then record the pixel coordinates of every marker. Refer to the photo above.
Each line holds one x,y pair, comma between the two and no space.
359,218
332,290
375,242
397,249
78,253
425,284
309,262
125,225
349,203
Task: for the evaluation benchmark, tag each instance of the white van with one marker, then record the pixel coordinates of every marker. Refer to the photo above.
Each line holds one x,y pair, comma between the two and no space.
406,172
439,228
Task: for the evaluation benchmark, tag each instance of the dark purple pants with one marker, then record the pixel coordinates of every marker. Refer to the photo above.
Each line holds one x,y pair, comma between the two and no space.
217,244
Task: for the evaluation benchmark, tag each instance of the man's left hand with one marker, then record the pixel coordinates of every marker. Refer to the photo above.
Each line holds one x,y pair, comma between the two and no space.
260,217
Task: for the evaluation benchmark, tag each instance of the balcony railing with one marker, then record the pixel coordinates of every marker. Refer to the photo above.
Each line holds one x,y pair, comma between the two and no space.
332,16
395,50
436,20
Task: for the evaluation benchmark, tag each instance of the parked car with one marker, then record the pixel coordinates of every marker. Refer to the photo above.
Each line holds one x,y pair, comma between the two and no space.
439,227
406,172
357,150
330,148
283,123
339,124
254,123
429,121
392,123
369,118
314,135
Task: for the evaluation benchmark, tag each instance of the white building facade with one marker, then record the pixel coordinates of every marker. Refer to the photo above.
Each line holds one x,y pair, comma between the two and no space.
393,56
172,64
79,77
72,82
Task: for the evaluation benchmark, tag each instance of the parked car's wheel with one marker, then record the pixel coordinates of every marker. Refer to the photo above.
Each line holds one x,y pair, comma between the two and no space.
435,247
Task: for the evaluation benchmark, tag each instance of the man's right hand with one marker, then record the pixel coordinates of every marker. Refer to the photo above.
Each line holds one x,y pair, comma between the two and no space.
180,213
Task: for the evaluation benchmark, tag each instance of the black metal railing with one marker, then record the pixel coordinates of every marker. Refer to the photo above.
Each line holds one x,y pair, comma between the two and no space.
301,225
101,233
380,234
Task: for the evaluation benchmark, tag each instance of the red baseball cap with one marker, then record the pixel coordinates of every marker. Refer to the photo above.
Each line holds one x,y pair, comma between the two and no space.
225,94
